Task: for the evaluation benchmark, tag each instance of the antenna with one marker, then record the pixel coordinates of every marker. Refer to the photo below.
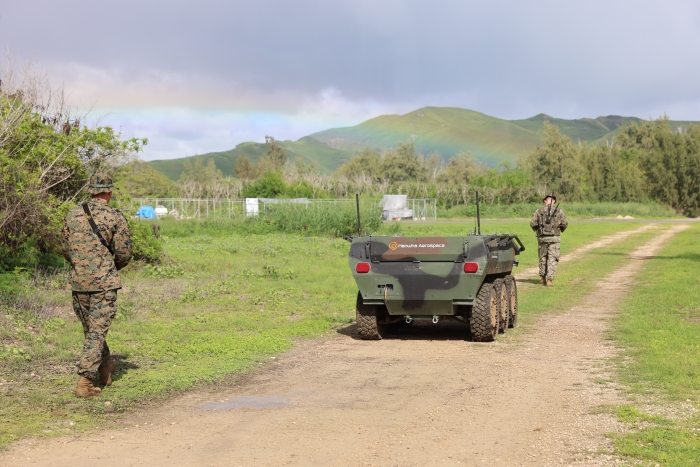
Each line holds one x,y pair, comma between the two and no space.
478,215
357,203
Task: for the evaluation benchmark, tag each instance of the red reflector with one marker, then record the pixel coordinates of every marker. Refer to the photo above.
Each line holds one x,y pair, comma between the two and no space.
362,267
471,267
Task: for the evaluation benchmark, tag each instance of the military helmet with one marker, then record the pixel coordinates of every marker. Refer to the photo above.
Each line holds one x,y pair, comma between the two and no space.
549,196
100,182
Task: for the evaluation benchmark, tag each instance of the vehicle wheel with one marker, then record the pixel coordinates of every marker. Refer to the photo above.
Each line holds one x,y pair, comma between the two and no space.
484,318
502,304
367,321
512,293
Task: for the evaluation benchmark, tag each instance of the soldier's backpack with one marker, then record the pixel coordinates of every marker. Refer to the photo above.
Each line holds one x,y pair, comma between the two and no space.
549,225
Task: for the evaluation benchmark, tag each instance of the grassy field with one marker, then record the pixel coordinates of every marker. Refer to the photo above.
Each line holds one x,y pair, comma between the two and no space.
224,302
649,210
659,328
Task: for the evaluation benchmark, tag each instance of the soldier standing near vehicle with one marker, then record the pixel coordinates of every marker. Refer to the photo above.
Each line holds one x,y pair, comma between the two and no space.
97,244
548,222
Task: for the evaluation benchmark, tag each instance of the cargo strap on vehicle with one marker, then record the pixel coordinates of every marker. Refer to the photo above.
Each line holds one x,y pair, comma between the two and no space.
95,229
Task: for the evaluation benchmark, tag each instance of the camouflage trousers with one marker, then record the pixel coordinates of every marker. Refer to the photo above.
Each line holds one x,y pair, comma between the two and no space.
95,310
549,259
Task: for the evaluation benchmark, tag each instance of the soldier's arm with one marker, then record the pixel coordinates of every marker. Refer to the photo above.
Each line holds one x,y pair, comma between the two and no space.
121,243
563,223
65,235
534,222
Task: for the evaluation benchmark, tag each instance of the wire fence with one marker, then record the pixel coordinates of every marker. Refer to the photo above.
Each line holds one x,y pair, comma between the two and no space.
205,208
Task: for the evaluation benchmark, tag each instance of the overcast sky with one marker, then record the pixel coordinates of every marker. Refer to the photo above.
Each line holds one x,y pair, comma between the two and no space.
203,76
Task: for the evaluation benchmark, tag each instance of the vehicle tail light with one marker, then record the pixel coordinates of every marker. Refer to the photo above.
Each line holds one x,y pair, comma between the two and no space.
362,268
471,267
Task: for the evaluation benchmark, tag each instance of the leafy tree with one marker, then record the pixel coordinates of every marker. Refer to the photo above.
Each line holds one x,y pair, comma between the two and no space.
244,169
403,164
555,165
46,156
433,166
460,169
140,180
199,173
269,185
367,163
276,155
669,160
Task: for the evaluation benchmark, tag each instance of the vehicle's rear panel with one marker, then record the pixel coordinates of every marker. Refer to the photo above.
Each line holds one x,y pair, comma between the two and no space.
424,275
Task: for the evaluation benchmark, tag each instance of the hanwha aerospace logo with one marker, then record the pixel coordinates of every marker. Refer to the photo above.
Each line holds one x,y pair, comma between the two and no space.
393,246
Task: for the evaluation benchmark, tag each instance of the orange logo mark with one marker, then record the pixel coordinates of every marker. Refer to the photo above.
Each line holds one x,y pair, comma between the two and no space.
393,246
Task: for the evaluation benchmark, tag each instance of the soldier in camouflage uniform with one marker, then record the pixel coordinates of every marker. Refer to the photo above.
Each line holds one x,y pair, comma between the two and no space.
94,278
548,222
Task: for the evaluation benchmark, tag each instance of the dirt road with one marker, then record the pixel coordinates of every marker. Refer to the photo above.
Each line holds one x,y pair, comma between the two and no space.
426,397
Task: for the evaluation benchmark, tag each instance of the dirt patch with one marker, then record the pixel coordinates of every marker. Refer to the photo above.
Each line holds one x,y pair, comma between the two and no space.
424,397
531,273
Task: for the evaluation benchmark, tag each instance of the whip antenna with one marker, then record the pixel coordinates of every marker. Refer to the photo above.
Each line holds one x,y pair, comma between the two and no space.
478,215
357,203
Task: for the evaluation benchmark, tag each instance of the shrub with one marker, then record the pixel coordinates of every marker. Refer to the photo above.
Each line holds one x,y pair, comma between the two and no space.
269,185
336,219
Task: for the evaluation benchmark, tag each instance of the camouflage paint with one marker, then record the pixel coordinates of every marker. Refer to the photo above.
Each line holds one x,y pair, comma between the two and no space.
425,275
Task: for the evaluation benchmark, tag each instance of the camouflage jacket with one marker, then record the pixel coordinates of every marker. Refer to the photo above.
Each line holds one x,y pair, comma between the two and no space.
549,226
92,267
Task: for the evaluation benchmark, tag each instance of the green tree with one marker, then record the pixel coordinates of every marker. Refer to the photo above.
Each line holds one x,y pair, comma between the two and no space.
460,169
270,185
366,163
276,155
555,165
669,160
140,180
403,164
197,172
244,169
46,157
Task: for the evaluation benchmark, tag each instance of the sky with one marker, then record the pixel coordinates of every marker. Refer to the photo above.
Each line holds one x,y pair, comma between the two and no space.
195,77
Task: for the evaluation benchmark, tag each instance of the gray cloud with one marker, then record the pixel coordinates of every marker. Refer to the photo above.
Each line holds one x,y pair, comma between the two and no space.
510,59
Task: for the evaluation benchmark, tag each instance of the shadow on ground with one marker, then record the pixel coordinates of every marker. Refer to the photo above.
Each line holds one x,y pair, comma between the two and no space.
123,366
419,330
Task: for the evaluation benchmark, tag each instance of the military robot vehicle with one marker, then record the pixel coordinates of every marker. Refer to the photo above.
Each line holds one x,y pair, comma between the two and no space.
405,279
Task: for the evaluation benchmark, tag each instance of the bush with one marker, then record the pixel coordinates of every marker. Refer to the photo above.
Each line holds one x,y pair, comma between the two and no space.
146,246
269,185
336,219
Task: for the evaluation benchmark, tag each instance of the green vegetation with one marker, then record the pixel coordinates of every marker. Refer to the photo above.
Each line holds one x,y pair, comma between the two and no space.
646,162
573,210
308,149
659,328
141,180
46,157
226,302
447,131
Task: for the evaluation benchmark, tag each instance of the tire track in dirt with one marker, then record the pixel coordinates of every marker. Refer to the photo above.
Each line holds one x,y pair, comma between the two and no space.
424,397
531,273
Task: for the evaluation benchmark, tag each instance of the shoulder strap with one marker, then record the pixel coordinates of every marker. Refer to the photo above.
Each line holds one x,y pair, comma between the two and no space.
94,227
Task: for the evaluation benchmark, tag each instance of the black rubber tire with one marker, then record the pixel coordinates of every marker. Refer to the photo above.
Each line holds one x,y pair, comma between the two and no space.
484,321
502,304
367,326
512,293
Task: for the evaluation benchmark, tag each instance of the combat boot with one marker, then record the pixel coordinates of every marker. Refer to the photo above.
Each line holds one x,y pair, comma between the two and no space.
544,280
550,283
106,370
86,389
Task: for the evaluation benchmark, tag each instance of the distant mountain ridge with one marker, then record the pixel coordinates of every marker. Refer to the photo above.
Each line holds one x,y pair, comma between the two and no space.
447,130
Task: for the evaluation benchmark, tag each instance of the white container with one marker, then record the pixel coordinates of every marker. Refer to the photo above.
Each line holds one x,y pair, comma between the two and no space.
251,206
161,211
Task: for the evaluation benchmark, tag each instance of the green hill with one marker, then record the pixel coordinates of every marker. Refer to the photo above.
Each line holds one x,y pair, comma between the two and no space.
325,157
443,129
447,130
